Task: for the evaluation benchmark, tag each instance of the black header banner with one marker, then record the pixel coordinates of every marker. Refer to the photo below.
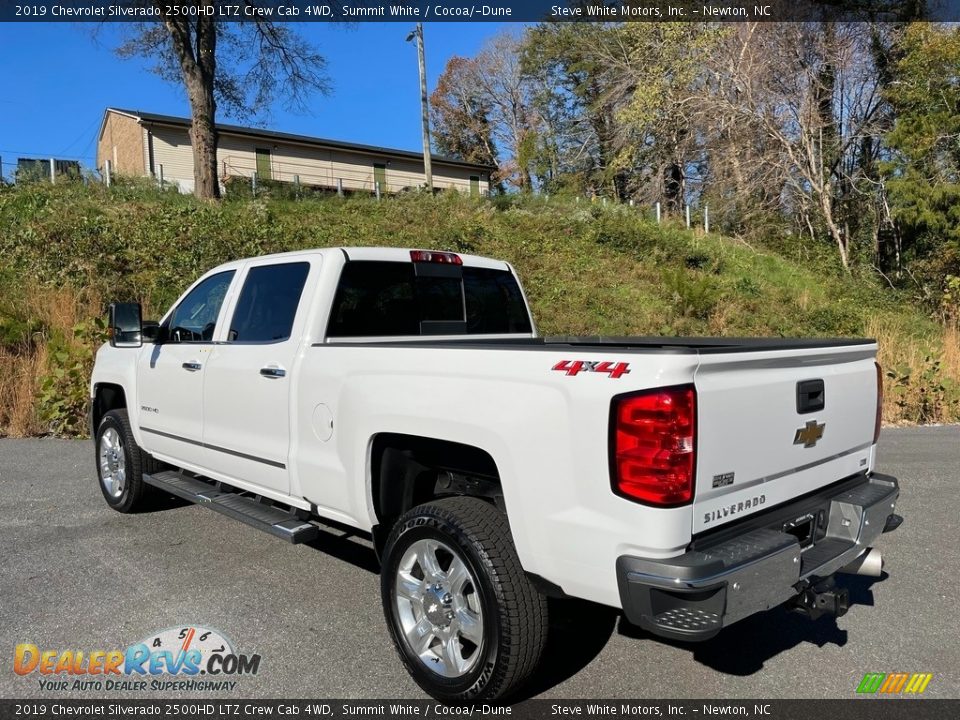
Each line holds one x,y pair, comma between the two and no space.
479,10
188,709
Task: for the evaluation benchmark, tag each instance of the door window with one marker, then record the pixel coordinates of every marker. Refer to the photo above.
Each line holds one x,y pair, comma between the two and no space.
268,303
195,318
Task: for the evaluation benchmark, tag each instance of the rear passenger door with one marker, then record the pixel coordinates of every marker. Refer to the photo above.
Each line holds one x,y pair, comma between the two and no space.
246,417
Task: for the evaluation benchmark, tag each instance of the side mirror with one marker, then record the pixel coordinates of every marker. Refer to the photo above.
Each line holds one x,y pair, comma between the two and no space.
125,326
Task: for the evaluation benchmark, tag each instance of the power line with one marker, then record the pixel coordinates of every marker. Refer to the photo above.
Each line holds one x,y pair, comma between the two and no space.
46,155
81,135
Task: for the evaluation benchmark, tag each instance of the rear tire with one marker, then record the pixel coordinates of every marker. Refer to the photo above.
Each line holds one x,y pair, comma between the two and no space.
121,464
467,622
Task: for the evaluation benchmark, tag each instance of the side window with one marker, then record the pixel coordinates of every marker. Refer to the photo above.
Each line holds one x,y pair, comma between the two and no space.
268,303
195,318
375,299
494,302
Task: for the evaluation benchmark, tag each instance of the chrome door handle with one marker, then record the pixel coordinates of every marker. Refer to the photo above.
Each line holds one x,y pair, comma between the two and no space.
273,372
192,366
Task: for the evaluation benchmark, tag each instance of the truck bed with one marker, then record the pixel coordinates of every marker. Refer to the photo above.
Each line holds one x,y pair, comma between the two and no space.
624,344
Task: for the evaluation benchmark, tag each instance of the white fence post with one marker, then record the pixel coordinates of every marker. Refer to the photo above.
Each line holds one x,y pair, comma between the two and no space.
688,217
657,206
706,219
376,189
53,171
339,187
160,178
253,183
107,172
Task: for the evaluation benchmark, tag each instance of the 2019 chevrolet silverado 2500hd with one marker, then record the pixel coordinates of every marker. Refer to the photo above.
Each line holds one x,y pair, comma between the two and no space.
690,482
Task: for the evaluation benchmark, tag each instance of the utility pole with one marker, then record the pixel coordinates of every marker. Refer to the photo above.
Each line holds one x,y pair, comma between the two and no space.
424,106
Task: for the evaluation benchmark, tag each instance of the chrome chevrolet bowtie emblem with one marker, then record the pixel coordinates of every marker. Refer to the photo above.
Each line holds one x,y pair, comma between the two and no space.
809,434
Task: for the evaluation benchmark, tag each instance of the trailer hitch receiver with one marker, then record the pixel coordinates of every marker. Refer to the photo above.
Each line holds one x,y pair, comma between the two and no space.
824,598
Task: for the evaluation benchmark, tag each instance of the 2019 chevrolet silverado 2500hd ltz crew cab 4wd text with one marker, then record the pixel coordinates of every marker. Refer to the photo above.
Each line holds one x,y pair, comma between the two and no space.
690,482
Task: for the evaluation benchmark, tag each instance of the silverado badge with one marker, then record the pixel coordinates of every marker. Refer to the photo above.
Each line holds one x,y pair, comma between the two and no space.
809,434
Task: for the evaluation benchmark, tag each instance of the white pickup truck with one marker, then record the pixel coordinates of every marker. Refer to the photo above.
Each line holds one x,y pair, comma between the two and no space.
405,393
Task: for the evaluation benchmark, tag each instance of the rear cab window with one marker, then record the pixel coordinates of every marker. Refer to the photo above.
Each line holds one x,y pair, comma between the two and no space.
384,298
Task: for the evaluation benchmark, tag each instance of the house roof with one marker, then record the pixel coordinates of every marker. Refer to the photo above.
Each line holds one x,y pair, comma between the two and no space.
175,121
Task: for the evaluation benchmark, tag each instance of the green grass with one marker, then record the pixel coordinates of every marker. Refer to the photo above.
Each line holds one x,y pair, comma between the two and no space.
588,269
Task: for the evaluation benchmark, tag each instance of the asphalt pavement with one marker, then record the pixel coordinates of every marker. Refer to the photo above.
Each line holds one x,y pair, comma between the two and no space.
74,574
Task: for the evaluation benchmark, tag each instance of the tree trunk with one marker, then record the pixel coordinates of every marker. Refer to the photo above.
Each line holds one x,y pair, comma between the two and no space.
826,205
203,138
195,44
673,188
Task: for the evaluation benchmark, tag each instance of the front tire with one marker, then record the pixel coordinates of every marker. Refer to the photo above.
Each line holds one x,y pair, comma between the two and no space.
121,464
465,619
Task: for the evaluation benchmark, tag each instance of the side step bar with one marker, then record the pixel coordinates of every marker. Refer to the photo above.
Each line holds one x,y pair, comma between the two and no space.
281,523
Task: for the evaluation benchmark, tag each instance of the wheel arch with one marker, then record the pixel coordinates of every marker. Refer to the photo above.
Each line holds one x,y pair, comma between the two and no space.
407,470
106,397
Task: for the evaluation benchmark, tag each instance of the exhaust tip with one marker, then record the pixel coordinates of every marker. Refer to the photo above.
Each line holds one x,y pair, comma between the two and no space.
870,564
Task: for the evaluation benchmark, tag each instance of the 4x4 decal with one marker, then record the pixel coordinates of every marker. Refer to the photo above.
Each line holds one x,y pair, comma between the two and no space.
574,367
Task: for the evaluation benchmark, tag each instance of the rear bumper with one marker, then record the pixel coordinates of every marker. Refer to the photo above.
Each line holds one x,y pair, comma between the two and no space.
693,596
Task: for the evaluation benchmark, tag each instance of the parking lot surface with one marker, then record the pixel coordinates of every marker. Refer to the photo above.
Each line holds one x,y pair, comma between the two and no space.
77,575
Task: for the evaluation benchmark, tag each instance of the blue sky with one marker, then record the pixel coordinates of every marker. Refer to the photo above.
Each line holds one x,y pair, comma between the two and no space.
57,80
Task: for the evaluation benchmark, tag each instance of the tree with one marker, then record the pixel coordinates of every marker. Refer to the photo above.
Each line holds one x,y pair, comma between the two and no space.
811,90
575,91
240,67
461,114
501,82
483,108
661,73
923,173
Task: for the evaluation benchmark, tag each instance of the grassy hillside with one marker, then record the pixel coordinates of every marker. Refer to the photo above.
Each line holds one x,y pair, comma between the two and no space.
588,269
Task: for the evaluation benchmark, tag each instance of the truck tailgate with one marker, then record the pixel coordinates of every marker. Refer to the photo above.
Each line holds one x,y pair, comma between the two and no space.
762,438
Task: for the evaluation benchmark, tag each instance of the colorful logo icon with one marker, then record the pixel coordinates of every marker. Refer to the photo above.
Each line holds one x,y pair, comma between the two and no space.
894,683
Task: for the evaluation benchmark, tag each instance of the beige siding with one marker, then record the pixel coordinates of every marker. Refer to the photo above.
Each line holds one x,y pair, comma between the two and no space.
323,167
172,150
318,166
121,142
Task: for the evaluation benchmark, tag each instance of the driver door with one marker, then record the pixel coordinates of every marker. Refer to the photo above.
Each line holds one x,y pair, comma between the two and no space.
171,374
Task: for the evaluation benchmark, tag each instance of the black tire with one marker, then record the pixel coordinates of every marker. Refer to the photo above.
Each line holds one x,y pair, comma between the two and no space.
514,626
135,494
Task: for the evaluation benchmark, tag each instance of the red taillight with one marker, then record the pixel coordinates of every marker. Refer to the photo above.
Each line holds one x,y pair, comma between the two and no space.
654,445
445,258
876,427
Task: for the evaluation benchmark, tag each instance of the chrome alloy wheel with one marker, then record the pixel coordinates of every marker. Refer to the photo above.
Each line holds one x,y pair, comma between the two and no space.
438,606
113,463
